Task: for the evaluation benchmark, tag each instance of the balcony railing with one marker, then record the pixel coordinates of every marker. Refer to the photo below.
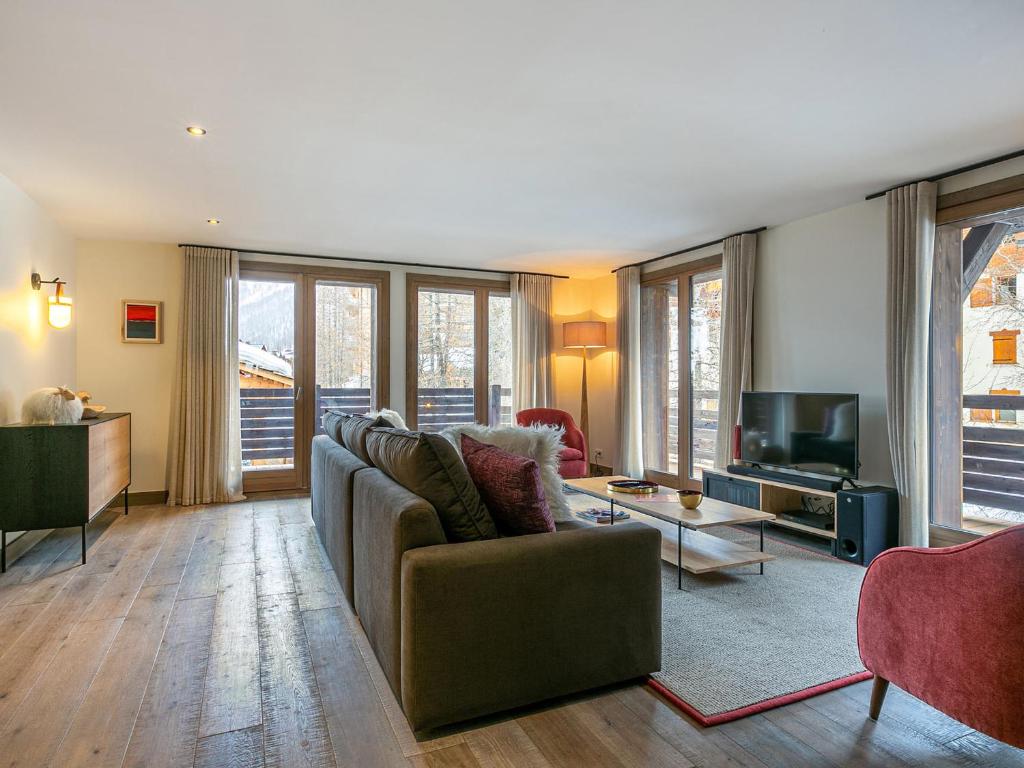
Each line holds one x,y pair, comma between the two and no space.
268,425
268,420
705,428
993,457
448,407
268,416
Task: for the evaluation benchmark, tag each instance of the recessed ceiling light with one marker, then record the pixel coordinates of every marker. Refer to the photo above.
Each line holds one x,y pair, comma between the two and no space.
195,130
213,221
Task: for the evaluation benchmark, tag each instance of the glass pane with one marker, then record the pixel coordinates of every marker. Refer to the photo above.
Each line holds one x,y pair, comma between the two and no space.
499,360
345,348
992,379
266,348
445,359
705,360
659,366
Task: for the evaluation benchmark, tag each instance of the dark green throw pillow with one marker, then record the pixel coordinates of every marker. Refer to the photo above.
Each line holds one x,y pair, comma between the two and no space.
351,431
429,466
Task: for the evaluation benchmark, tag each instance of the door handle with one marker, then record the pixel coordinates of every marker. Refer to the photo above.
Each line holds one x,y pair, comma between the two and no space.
298,394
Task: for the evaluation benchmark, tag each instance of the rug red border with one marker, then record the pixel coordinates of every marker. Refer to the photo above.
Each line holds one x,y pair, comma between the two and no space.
761,706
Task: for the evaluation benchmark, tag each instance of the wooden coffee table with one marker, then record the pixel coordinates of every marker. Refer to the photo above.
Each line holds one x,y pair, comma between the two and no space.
693,550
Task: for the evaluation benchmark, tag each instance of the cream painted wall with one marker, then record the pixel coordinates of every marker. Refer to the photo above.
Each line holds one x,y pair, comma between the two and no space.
32,354
130,377
139,377
581,299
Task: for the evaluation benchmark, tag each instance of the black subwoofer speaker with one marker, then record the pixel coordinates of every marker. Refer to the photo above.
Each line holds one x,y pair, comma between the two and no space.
867,523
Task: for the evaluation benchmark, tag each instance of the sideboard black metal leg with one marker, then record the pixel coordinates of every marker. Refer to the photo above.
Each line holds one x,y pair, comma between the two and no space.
125,500
83,545
3,551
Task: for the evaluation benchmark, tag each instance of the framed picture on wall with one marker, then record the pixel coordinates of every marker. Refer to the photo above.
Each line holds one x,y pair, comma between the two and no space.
142,322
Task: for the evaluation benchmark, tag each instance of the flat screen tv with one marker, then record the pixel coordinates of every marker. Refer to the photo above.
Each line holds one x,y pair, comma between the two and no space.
809,432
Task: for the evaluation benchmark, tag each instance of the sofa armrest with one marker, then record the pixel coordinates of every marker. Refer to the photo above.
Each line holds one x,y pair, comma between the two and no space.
491,625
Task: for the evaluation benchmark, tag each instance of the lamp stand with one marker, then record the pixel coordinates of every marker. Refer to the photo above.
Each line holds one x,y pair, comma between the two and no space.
584,411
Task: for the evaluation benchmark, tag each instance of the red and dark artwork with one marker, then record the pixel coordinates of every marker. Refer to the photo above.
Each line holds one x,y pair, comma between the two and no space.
140,322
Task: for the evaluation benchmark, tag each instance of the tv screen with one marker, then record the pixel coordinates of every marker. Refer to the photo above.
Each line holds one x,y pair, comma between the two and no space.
808,432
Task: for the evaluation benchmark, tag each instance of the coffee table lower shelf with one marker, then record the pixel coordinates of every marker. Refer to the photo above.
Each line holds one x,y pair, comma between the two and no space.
704,553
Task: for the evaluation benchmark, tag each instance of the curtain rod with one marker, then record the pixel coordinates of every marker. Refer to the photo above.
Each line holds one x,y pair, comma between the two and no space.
954,172
372,261
690,249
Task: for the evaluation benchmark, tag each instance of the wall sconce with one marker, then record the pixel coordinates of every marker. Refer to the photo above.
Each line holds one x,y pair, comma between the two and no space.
59,304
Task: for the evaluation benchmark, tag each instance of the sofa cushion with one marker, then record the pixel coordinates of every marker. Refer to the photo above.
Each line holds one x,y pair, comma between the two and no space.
351,431
429,466
540,443
510,486
570,454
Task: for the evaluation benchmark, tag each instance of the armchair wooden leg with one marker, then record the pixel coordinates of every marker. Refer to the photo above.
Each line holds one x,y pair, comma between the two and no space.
877,696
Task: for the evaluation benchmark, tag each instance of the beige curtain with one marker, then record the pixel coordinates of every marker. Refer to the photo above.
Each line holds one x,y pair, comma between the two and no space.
532,385
204,464
628,417
739,255
911,244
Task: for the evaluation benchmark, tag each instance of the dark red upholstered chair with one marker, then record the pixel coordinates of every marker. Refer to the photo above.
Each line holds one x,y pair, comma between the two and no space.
572,461
947,626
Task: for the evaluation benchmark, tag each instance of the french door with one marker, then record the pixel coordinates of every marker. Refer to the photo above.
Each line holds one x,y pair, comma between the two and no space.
680,354
310,340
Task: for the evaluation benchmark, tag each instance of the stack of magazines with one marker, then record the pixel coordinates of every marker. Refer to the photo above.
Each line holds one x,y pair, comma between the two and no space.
596,515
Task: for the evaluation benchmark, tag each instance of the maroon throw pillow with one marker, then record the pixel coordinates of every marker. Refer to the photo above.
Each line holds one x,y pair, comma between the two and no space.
510,487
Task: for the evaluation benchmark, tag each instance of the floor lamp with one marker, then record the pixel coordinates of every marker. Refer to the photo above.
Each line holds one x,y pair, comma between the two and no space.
584,335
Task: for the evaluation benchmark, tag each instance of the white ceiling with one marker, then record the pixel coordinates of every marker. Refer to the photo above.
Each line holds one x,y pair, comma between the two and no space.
538,134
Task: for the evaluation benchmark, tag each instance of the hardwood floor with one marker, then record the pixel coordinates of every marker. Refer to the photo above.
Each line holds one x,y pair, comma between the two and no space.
217,636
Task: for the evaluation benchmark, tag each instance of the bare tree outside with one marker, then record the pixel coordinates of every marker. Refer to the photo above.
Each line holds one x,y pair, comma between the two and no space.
346,320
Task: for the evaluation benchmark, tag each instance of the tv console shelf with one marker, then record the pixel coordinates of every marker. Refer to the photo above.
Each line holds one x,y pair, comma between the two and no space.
768,495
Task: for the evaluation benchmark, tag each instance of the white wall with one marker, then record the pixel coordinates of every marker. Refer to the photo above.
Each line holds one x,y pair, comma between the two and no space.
130,377
32,354
819,316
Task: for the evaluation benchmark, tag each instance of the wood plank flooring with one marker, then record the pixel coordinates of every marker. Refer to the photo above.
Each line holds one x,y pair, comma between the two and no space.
217,636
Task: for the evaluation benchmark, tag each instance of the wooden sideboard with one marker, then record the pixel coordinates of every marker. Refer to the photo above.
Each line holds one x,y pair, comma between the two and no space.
62,475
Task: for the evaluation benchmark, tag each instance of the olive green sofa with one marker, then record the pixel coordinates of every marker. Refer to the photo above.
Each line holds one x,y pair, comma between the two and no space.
468,629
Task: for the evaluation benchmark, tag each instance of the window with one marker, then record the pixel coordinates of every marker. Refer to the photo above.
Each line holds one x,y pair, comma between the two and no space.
680,323
1004,347
459,353
981,293
1005,416
1004,289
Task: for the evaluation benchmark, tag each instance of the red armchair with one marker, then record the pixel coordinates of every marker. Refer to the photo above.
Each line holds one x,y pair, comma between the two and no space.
947,626
572,461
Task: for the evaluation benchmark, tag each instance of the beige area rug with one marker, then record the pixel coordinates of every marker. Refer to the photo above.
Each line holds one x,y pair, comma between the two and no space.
735,643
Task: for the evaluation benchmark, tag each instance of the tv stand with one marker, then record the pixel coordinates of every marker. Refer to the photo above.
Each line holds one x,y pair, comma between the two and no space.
778,493
789,478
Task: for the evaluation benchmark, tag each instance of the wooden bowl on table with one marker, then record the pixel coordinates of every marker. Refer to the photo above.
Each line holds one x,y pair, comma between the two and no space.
690,499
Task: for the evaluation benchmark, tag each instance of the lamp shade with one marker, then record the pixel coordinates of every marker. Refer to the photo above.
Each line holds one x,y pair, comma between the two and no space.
584,334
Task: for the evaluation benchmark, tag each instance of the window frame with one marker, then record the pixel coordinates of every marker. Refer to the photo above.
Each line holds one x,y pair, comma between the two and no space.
683,274
482,291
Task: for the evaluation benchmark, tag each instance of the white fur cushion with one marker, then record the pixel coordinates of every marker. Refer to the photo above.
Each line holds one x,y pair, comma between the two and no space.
540,442
392,417
51,405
